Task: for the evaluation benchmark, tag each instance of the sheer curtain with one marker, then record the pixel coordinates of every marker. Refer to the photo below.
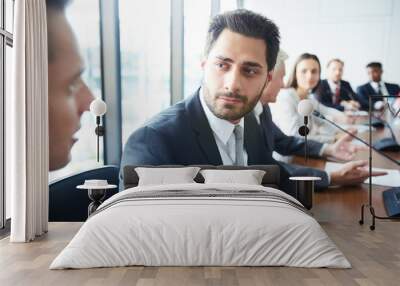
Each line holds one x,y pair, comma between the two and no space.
27,122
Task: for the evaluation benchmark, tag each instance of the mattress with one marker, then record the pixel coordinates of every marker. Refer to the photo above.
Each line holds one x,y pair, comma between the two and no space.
201,225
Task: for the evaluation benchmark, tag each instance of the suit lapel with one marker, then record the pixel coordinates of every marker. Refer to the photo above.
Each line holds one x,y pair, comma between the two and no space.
202,129
254,142
325,91
265,120
371,90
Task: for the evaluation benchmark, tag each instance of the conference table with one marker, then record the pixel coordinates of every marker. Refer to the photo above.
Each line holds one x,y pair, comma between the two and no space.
343,203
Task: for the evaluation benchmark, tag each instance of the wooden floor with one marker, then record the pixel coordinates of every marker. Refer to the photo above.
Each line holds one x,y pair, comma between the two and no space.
374,255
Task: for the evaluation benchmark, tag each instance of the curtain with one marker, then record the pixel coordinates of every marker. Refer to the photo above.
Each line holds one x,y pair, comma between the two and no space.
27,135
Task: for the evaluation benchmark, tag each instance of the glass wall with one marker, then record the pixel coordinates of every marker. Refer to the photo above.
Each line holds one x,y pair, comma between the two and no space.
145,61
228,5
196,20
84,17
9,12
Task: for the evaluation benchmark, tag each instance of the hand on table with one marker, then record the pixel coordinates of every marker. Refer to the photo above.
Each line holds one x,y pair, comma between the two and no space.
350,105
353,173
343,149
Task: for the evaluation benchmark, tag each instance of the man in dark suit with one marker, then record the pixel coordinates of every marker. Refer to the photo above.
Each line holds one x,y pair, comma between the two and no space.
335,92
208,127
205,128
375,87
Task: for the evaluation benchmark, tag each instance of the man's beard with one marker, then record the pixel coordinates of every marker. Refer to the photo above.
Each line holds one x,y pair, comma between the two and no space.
247,107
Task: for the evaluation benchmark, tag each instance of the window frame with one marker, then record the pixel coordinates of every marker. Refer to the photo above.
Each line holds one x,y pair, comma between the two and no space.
111,81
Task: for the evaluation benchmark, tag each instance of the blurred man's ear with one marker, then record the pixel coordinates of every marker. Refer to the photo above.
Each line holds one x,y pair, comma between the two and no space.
269,75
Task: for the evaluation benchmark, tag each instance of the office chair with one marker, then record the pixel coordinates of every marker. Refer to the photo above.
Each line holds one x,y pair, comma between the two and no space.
66,203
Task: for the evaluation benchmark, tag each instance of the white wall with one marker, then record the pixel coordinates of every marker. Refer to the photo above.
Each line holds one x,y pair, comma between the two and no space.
356,31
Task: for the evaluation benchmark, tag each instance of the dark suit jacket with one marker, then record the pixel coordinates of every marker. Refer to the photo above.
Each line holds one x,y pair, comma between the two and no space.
365,90
181,135
291,145
325,95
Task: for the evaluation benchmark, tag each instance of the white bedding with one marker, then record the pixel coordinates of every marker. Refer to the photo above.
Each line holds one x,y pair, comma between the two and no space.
183,231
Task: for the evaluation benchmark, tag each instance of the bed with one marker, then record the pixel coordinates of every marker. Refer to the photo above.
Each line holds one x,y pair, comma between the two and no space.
201,224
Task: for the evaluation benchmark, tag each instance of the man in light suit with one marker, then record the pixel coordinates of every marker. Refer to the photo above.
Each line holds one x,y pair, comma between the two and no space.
285,145
334,91
375,86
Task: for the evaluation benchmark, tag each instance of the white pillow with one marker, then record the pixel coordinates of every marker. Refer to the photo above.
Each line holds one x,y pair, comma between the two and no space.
248,177
165,176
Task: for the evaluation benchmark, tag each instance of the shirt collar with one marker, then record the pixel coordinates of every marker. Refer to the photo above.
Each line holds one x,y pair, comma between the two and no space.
221,127
258,109
374,84
333,84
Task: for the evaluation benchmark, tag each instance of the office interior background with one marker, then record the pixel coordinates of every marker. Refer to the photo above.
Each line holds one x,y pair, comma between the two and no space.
143,56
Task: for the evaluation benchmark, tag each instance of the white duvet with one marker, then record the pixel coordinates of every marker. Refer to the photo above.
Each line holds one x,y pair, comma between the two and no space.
185,231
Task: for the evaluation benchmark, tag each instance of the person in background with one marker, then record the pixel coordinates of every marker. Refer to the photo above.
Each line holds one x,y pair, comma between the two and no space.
277,142
302,84
69,96
375,87
334,91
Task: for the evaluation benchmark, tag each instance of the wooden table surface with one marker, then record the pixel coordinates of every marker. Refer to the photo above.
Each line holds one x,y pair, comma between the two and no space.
343,203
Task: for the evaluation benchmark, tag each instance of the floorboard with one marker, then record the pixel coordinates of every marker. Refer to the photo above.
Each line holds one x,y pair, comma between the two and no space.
374,255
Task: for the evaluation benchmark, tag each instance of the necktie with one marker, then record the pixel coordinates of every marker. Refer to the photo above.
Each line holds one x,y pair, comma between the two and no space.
239,159
337,95
379,89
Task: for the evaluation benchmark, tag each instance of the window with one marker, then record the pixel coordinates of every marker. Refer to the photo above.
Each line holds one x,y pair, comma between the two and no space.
9,15
85,21
228,5
196,20
145,61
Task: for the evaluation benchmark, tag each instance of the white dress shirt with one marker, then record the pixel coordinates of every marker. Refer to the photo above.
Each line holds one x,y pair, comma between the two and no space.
285,116
376,87
333,85
223,134
258,110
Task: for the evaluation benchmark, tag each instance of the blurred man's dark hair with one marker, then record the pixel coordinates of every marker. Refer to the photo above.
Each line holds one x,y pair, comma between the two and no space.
53,6
57,4
377,65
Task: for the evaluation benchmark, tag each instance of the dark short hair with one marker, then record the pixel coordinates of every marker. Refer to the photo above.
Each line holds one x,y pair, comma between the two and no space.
306,56
53,6
377,65
57,4
249,24
335,60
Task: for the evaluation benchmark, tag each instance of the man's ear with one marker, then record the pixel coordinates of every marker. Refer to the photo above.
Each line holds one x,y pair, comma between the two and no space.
269,75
